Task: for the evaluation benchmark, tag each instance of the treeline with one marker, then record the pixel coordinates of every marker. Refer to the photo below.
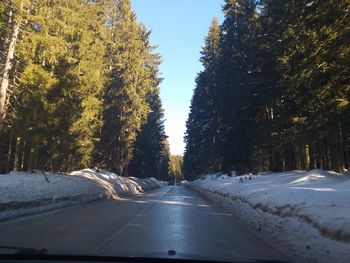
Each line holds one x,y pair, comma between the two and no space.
275,89
79,88
176,163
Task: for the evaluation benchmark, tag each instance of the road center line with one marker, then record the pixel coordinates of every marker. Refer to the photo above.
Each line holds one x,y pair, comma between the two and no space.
107,242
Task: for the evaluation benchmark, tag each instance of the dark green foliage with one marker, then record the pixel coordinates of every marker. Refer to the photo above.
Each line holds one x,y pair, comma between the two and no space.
131,79
282,90
202,125
151,153
60,85
236,85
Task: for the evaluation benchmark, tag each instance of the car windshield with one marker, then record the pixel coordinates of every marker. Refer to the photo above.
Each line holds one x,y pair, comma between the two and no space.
213,130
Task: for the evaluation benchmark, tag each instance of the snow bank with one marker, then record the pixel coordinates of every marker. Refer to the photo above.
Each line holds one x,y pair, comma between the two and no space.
304,213
23,193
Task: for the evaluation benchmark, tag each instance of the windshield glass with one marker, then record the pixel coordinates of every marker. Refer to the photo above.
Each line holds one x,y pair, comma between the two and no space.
180,129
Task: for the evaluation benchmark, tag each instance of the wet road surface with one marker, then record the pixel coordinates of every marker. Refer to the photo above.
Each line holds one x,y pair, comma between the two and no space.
169,218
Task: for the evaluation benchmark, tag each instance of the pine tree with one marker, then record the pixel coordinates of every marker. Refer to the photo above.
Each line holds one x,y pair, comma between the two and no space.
236,85
282,89
271,42
125,99
83,76
58,75
151,151
63,53
14,12
202,123
12,23
316,85
151,154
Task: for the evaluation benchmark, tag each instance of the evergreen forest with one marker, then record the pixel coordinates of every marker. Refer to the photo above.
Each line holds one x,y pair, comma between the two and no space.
274,91
79,88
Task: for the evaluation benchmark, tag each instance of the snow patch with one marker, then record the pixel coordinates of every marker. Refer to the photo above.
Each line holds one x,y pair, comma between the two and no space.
289,207
23,193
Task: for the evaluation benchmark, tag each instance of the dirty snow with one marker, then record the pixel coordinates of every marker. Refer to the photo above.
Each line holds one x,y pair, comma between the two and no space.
304,213
23,193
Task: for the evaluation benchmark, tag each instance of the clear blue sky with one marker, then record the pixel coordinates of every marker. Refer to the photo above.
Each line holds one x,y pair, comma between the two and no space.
178,28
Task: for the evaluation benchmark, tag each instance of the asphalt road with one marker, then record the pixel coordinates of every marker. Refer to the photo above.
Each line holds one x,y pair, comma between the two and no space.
170,218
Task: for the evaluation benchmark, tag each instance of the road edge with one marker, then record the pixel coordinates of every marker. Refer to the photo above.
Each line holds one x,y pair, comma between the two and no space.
270,225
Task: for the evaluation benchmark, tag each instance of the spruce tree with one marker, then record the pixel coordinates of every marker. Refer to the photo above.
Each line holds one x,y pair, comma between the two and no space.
80,84
202,124
282,89
130,81
151,154
236,85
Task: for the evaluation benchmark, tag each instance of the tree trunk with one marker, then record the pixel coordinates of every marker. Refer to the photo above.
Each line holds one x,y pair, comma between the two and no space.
328,154
342,150
26,155
18,155
306,156
31,161
321,155
283,160
313,162
10,151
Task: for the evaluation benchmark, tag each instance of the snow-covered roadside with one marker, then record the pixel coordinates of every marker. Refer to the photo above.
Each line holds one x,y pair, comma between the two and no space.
306,214
23,193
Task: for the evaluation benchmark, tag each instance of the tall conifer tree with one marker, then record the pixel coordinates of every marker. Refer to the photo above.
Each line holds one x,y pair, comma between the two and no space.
202,124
